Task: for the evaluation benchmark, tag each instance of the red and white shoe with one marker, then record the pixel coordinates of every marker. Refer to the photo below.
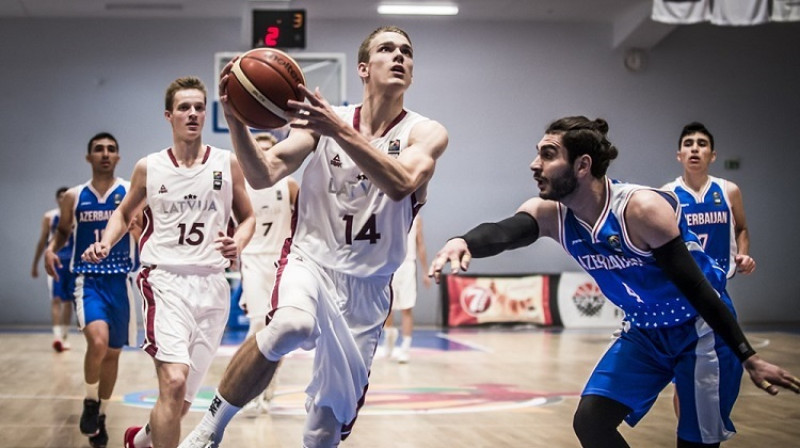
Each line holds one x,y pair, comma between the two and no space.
58,346
130,433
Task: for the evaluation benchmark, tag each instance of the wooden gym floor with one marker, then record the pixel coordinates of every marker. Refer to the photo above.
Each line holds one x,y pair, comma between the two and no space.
463,388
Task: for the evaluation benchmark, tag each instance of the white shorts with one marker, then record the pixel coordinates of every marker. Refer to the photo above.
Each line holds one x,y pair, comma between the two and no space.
404,286
350,312
184,319
258,277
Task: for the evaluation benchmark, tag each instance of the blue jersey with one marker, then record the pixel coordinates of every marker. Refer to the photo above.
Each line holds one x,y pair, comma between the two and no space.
628,276
65,253
708,214
91,216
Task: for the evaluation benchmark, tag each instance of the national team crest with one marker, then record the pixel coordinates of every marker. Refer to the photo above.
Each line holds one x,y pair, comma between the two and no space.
217,180
278,195
615,243
394,147
717,198
117,199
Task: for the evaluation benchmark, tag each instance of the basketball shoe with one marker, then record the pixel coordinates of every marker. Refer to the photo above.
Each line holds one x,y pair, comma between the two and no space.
201,438
90,417
100,440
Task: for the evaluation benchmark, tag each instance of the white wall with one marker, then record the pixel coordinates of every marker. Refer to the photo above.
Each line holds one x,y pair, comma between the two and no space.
495,86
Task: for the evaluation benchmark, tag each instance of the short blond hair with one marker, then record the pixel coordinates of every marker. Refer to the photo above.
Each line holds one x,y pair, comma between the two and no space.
184,83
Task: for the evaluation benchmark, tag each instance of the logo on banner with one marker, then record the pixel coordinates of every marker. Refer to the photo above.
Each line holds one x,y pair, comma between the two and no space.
588,299
475,300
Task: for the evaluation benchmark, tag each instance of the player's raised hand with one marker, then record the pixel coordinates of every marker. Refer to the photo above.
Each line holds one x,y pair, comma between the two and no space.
95,253
768,376
315,114
227,246
456,253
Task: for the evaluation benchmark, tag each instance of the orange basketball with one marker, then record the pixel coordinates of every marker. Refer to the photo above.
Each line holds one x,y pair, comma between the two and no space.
261,82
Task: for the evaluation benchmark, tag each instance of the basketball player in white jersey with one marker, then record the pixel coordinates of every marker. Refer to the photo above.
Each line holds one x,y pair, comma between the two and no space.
404,295
273,209
713,206
62,292
367,174
188,192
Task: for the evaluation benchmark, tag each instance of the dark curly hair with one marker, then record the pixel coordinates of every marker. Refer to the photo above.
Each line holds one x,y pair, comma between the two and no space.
583,136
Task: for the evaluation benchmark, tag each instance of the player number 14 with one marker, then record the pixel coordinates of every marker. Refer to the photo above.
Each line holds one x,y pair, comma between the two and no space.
367,233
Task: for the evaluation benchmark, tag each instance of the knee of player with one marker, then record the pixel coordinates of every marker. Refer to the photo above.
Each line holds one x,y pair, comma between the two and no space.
294,324
173,386
289,329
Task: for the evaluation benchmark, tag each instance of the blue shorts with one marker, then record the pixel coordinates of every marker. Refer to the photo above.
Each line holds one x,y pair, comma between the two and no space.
104,297
707,373
64,288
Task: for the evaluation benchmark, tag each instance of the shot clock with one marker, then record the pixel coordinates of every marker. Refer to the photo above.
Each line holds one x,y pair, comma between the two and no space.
285,28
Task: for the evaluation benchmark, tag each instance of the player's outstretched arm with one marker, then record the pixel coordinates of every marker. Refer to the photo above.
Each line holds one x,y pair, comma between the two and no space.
651,224
396,177
262,170
120,221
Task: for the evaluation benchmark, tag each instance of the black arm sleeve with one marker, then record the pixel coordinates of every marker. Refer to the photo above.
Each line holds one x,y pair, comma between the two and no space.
676,261
491,238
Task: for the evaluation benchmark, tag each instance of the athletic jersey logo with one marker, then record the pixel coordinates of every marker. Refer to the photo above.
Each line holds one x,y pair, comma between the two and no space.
217,180
615,243
162,190
278,195
336,161
717,198
394,147
117,199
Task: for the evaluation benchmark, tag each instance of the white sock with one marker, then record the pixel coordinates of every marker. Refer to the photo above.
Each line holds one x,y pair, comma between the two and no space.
64,332
103,406
406,344
142,438
93,391
218,415
57,332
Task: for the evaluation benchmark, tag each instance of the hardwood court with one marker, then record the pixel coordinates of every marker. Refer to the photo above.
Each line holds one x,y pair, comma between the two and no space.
465,388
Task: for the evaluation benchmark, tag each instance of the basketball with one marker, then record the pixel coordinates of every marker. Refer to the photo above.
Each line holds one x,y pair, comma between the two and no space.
262,81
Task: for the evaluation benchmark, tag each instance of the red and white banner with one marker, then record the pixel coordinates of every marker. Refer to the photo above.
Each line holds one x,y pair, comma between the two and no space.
476,300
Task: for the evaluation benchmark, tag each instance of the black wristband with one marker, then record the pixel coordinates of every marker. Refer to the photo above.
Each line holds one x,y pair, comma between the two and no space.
489,239
676,261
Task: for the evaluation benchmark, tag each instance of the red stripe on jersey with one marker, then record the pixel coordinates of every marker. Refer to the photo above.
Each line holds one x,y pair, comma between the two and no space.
148,312
208,153
147,227
357,120
172,158
285,250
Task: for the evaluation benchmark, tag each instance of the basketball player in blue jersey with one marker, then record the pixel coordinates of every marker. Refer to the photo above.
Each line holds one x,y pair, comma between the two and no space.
713,206
62,291
367,174
101,293
634,241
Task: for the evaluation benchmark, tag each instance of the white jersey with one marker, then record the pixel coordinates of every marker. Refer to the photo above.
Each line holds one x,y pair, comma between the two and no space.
411,251
344,222
186,210
681,12
740,12
785,11
273,212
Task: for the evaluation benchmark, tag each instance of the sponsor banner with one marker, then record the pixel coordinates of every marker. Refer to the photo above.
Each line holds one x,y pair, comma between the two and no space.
581,304
476,300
